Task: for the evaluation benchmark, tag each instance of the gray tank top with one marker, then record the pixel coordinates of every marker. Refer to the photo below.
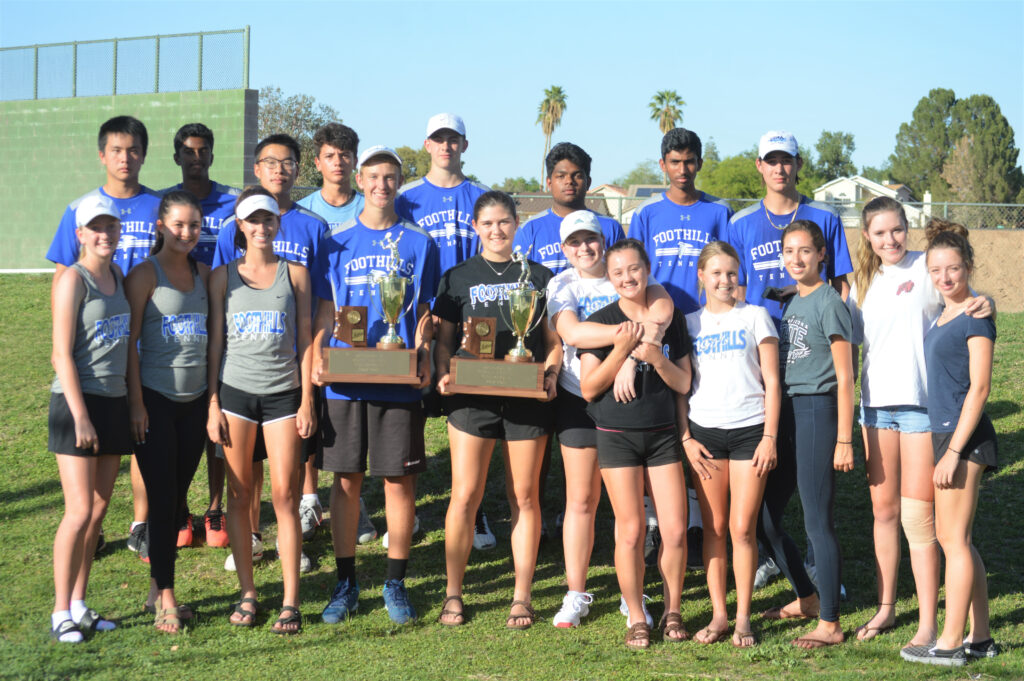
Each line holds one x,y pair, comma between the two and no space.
259,357
101,339
172,345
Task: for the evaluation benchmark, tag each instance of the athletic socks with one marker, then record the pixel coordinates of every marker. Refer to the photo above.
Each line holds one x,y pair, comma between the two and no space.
346,568
396,568
78,610
311,498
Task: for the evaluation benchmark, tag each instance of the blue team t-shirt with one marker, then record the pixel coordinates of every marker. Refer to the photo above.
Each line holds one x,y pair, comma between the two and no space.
297,240
138,230
217,207
759,245
948,363
446,214
335,216
673,236
350,258
541,234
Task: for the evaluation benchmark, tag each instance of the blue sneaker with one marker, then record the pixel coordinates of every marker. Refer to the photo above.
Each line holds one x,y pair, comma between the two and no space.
343,604
396,600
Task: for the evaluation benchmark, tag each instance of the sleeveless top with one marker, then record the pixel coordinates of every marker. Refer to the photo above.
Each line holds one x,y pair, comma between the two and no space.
172,345
259,357
100,349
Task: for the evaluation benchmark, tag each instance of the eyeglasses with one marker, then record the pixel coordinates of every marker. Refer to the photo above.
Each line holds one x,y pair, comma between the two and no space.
271,163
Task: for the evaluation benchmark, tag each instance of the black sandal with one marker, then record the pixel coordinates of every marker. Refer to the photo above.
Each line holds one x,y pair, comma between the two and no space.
293,617
66,627
237,609
91,621
530,615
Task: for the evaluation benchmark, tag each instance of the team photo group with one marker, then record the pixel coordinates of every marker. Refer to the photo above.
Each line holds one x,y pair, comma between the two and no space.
699,368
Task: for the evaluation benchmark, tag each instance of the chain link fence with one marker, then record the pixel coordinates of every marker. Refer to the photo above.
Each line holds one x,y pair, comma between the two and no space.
211,60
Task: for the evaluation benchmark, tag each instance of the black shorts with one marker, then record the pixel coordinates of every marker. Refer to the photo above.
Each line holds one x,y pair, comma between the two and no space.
573,424
981,448
271,408
499,418
389,434
645,448
734,444
109,416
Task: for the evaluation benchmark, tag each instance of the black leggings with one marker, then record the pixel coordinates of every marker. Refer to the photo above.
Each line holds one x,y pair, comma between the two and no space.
168,460
807,429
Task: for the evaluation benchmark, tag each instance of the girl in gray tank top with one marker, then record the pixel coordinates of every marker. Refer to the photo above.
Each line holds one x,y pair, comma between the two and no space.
88,417
260,354
167,377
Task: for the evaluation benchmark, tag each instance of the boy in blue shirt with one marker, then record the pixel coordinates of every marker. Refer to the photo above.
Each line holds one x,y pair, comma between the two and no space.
122,142
336,202
568,169
374,423
675,225
756,231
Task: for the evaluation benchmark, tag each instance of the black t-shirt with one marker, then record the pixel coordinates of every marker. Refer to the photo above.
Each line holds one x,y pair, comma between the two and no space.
473,289
655,404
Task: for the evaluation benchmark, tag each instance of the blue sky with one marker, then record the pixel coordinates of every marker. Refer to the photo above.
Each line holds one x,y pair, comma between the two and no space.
741,67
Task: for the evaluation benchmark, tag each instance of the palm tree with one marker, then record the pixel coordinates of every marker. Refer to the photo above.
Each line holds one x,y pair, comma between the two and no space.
665,108
549,115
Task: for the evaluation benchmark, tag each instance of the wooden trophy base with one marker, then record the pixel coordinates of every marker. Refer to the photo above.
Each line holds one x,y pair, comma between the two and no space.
370,365
497,377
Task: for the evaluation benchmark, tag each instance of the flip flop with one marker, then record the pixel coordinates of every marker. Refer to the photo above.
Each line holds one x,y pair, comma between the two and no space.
776,613
293,617
808,643
672,623
742,636
712,635
871,632
460,613
184,612
242,612
530,615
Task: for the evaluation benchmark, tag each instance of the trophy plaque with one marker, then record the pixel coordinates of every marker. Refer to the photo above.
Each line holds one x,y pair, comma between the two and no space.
390,361
517,375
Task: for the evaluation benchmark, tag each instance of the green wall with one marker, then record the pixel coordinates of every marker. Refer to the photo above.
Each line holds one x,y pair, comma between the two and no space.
48,155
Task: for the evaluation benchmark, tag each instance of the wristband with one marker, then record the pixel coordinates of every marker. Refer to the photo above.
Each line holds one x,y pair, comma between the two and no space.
686,439
767,435
842,442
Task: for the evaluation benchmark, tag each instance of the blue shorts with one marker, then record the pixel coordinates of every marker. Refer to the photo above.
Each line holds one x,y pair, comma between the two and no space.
902,418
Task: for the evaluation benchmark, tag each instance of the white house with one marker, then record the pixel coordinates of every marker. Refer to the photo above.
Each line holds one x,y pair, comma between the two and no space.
849,194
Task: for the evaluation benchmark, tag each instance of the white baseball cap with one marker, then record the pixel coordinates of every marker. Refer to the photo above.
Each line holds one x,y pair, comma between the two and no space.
378,150
256,202
445,121
777,140
579,221
91,207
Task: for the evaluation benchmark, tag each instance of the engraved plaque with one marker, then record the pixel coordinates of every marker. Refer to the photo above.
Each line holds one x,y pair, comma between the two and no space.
369,365
350,325
478,335
497,377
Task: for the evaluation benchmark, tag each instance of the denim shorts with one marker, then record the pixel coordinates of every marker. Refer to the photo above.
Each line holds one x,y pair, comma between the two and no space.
902,418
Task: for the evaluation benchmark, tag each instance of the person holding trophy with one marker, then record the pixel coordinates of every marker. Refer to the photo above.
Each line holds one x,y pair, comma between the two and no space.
374,276
488,304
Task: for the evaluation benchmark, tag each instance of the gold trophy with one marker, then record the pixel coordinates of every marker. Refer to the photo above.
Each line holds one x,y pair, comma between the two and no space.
389,361
517,375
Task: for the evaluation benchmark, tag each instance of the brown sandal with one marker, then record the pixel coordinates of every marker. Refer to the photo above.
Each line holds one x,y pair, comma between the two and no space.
672,623
460,613
530,615
742,637
639,636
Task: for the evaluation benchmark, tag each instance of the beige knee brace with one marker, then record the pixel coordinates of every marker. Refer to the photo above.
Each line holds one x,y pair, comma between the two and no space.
918,519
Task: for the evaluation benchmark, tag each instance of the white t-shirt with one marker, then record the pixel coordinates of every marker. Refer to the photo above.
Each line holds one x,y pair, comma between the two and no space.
899,307
728,391
569,291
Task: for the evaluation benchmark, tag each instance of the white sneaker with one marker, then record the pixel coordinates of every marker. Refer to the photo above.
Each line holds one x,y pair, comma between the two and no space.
483,538
575,606
624,610
257,554
367,532
415,529
310,517
305,564
766,571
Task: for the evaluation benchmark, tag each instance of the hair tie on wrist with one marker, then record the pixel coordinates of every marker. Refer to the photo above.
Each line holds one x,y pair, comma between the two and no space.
841,442
953,450
687,439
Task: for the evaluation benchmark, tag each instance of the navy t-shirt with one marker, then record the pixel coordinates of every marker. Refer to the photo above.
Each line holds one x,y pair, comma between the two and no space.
655,404
948,363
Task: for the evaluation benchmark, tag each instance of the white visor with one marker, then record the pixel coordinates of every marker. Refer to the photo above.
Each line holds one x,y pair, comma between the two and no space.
254,203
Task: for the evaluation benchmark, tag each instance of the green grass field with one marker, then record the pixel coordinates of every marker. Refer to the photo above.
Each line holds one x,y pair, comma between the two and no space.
369,647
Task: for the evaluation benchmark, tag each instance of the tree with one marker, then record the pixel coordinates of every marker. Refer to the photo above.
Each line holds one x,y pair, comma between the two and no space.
881,174
645,172
923,144
734,177
299,116
519,185
415,162
834,155
665,108
549,116
990,151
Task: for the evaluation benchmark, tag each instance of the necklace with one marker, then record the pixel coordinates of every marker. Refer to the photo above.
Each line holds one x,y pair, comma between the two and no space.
769,216
496,272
